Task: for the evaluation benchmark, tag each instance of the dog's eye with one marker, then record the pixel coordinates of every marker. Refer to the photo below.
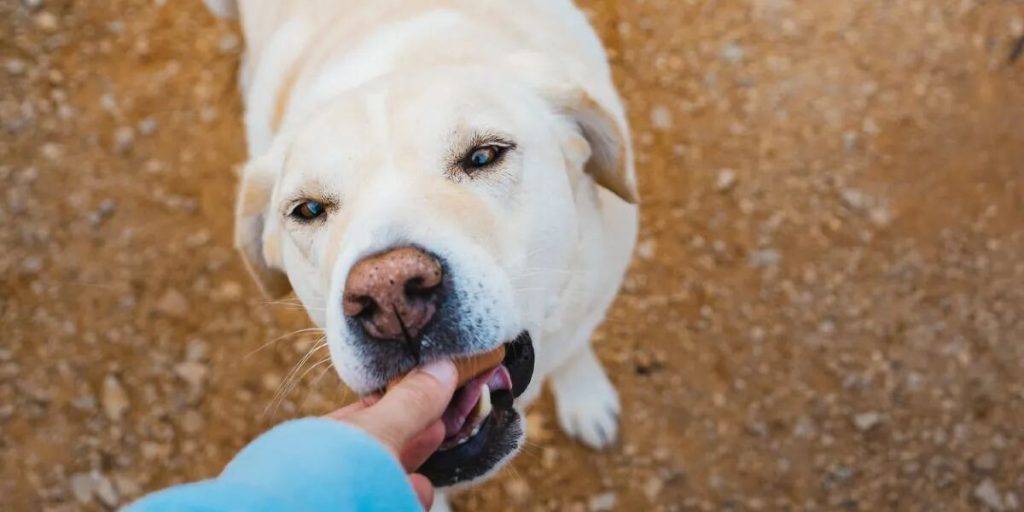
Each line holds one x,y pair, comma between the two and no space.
308,210
481,157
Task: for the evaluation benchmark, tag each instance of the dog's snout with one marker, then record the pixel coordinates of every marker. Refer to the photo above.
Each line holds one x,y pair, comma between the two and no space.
393,294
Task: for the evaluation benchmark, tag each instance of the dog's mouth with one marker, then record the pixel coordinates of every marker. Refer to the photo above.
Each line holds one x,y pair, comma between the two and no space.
481,425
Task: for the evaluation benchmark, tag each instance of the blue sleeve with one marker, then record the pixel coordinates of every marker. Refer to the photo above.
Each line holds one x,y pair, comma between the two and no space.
310,465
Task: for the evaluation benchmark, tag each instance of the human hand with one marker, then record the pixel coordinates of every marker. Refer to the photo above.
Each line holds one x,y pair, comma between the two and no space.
407,419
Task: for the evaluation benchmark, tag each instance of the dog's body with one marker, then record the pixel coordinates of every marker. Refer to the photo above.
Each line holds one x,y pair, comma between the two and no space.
361,97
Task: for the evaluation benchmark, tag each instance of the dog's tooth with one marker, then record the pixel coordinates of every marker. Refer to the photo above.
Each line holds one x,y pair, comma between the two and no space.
484,405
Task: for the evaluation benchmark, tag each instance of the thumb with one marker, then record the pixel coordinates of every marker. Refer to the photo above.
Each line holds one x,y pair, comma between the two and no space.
409,408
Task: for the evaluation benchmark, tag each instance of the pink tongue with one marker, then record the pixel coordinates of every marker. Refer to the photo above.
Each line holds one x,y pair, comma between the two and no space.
467,396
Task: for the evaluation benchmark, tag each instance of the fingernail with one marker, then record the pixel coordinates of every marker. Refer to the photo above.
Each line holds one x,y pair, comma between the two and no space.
443,370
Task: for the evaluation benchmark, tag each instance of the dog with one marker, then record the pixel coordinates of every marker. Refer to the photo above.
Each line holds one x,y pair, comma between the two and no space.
433,179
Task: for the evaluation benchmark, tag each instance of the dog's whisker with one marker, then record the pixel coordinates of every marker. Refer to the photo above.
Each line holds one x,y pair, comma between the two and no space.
279,338
282,390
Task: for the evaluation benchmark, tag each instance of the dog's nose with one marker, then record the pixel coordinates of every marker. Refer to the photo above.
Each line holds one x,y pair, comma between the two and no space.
393,294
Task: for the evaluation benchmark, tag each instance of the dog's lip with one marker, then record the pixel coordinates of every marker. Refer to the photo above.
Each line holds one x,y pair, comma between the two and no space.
495,436
467,399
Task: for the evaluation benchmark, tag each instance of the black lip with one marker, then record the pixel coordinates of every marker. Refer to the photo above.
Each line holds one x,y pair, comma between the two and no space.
500,433
519,360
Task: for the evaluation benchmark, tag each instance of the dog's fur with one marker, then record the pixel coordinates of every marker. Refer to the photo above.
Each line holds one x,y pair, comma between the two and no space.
363,104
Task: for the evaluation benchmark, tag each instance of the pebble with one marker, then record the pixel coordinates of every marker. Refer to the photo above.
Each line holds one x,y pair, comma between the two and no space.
193,373
661,117
15,66
764,258
46,21
83,486
987,493
113,398
733,52
173,304
517,490
726,180
105,490
124,139
854,199
602,502
653,487
229,43
148,126
866,421
646,249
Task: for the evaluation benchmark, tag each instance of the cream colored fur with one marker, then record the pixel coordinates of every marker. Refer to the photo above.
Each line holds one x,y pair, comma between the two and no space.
362,102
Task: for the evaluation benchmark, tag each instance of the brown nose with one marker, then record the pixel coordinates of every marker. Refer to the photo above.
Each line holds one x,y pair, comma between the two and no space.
393,294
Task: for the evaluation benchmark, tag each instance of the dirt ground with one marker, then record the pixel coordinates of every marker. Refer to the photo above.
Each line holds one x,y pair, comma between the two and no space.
826,311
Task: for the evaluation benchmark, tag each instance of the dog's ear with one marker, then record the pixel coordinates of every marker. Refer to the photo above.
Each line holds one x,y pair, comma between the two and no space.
605,152
256,239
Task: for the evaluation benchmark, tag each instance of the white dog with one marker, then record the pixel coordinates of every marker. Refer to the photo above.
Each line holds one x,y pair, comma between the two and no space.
436,178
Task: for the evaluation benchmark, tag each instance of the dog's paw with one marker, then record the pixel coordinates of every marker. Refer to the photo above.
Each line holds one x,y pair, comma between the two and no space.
586,403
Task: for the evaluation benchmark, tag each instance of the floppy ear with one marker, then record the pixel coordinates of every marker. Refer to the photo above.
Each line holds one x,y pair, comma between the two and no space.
606,148
258,242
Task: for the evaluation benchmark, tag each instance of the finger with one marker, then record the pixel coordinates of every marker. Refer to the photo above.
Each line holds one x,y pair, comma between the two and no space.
424,490
348,410
420,447
411,406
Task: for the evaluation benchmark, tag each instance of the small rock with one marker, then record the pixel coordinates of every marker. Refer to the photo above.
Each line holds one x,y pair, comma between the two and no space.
124,139
518,491
228,292
31,265
866,421
105,490
114,399
46,21
52,151
646,249
764,258
880,216
661,117
854,199
653,487
191,372
196,350
32,4
602,502
228,44
147,126
83,485
726,180
988,495
733,52
549,457
173,304
15,66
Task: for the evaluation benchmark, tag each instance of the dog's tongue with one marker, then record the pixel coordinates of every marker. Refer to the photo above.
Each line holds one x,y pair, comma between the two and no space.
468,395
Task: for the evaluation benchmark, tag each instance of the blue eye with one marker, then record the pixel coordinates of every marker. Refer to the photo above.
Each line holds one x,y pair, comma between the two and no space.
308,210
482,157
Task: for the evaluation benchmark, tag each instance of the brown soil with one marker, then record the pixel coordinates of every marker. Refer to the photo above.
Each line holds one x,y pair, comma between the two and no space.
826,311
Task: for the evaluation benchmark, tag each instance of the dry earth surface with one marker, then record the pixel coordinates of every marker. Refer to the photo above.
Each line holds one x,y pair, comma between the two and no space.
826,311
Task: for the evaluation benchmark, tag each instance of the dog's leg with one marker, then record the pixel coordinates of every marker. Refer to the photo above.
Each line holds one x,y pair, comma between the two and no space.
225,9
586,402
440,502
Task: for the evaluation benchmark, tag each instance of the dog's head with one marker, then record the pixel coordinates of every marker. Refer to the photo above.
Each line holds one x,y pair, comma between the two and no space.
434,216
